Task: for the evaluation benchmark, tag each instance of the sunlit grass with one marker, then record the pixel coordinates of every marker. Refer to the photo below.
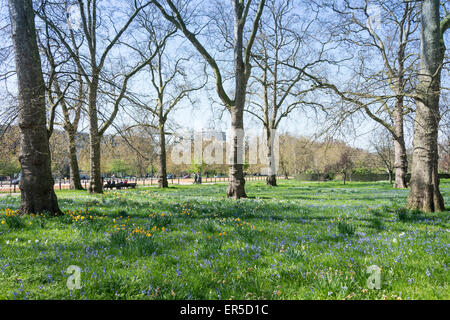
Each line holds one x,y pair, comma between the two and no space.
296,241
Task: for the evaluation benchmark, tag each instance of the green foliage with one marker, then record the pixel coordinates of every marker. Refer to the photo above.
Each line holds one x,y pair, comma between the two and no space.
15,222
119,167
118,238
161,220
9,168
377,223
346,228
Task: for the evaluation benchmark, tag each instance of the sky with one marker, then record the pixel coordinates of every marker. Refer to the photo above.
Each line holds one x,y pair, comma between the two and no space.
204,114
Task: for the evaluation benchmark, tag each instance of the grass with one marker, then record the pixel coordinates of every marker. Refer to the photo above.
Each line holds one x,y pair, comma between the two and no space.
295,241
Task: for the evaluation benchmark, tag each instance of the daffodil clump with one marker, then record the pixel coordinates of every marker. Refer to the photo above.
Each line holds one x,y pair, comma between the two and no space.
81,215
8,213
140,231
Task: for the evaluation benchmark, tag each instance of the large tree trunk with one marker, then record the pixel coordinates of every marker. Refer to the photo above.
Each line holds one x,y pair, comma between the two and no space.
236,187
401,161
37,183
95,182
425,194
162,180
75,181
271,179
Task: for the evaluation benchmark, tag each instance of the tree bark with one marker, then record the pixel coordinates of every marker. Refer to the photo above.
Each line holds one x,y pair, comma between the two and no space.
271,179
401,161
162,180
425,194
95,182
75,181
37,183
236,187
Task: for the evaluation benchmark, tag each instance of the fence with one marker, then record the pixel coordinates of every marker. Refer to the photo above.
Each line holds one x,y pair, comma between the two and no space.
64,184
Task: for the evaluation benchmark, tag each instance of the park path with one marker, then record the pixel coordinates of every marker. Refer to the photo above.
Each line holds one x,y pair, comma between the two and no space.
9,194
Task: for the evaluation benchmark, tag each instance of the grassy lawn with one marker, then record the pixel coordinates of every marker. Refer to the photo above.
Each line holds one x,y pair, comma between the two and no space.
296,241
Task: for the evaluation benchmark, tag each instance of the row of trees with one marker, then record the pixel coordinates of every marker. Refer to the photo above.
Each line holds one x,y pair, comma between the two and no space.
137,156
267,59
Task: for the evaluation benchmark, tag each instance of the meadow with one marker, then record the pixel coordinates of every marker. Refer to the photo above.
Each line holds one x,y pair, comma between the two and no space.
296,241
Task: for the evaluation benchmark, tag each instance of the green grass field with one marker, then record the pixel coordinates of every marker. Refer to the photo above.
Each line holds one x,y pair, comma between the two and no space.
295,241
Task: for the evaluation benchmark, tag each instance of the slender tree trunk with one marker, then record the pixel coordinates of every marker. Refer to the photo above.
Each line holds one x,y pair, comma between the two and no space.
425,194
75,181
390,176
401,161
95,182
162,181
271,179
37,183
236,187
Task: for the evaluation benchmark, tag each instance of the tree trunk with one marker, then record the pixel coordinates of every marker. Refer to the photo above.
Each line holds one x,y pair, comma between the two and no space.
271,179
75,181
162,181
37,183
236,187
425,194
95,182
390,176
401,161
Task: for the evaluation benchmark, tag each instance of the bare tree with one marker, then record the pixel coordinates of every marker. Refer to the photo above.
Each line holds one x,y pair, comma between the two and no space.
425,194
61,71
345,163
36,185
168,80
241,75
281,54
92,67
384,149
385,69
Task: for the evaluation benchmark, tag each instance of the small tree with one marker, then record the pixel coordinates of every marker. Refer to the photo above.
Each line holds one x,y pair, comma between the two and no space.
119,167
